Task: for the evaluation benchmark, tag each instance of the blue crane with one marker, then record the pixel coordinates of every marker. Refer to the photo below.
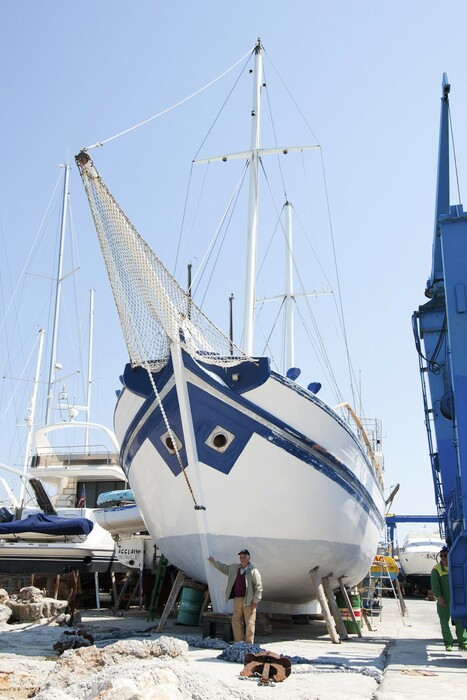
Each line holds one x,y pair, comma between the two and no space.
440,329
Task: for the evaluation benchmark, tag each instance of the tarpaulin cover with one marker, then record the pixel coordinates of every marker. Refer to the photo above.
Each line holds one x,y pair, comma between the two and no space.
48,525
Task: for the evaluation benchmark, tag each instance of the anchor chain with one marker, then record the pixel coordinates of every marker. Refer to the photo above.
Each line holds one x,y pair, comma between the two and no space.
172,438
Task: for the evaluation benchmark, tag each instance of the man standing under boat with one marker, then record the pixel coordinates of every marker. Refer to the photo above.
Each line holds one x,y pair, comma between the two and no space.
245,587
440,587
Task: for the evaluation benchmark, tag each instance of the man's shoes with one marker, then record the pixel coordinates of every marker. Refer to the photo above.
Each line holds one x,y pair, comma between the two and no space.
463,647
448,647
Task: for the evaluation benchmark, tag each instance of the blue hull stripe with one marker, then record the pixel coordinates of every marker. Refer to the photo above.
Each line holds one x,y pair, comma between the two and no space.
208,411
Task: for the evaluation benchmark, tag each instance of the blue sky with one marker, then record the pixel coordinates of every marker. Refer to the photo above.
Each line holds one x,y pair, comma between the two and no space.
367,76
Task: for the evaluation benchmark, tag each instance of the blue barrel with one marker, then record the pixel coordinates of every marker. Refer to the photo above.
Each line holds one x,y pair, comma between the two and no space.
191,602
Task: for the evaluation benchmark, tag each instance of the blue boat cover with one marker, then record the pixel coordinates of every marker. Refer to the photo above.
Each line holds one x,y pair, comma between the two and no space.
48,525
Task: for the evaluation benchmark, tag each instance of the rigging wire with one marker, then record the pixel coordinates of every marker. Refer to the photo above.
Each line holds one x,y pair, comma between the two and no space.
229,95
339,289
323,360
230,204
271,240
268,338
2,297
18,299
39,231
342,319
75,266
454,154
291,97
196,155
317,343
273,127
172,107
337,301
182,224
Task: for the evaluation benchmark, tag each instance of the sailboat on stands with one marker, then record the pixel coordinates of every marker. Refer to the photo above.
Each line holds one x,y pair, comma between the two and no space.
50,528
220,450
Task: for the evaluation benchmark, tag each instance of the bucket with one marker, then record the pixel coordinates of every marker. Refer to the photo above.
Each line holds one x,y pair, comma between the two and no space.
191,602
349,624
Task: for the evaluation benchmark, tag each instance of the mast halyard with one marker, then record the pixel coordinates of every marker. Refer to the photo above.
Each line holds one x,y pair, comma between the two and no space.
250,280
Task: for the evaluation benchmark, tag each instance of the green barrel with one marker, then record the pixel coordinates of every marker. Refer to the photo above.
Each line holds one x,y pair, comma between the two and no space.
191,602
349,624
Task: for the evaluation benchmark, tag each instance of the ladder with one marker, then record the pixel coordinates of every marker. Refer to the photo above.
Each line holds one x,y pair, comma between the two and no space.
382,581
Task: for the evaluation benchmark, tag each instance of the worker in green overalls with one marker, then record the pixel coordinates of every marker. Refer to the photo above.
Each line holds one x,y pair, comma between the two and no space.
440,587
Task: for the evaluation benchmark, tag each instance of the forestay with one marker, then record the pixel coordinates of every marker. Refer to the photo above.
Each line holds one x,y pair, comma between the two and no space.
153,308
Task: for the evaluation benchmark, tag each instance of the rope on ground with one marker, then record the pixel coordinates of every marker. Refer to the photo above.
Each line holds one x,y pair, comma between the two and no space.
235,653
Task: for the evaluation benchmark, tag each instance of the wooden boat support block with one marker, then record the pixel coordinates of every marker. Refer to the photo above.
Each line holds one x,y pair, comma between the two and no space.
263,625
282,621
217,625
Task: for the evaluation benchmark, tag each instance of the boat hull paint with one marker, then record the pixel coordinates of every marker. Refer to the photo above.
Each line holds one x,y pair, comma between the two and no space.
295,503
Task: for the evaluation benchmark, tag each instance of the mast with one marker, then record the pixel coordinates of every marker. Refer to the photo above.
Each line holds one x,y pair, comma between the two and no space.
289,295
442,186
231,331
29,420
250,281
58,291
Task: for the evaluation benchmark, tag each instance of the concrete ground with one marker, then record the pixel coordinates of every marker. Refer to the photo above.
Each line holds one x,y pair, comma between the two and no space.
408,651
417,664
400,658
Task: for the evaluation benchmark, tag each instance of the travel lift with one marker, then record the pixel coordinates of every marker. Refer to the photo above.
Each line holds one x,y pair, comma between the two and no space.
440,330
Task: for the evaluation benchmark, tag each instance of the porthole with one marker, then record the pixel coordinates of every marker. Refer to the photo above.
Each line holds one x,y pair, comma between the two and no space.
168,440
169,443
220,439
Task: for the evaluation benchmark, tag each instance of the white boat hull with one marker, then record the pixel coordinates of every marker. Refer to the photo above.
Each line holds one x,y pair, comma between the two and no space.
35,552
294,503
123,520
56,558
418,557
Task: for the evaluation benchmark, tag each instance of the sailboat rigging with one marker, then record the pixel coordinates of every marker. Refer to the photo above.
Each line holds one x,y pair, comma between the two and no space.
236,425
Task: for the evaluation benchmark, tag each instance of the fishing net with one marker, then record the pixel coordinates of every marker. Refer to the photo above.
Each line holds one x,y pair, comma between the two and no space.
153,308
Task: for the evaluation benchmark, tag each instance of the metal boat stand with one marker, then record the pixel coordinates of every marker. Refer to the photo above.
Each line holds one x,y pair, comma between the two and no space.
129,578
348,603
